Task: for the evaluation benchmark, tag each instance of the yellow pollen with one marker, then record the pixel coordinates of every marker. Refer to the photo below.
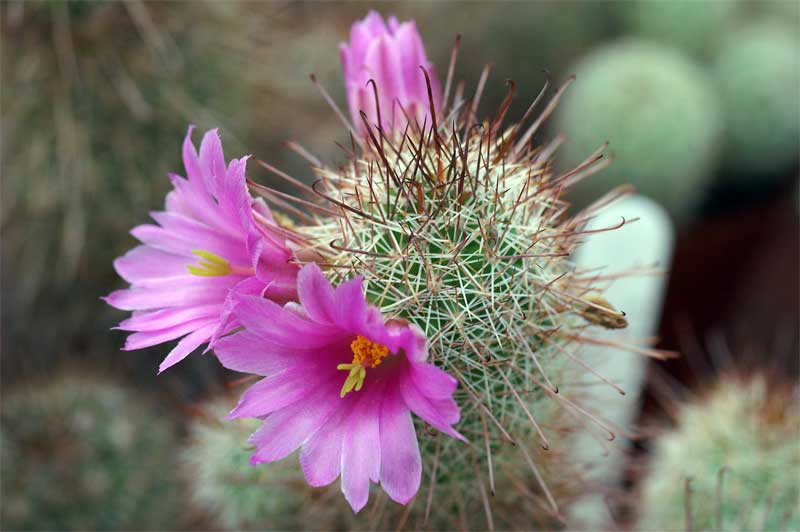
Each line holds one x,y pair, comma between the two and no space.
212,266
366,354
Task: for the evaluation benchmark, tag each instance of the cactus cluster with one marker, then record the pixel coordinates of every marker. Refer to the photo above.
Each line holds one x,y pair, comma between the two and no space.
730,463
84,453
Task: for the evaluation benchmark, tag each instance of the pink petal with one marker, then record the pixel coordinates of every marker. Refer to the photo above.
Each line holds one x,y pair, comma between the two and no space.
140,340
247,353
401,465
321,456
186,346
441,414
361,450
143,262
316,294
155,295
155,320
279,391
285,430
182,234
277,325
433,382
351,305
212,161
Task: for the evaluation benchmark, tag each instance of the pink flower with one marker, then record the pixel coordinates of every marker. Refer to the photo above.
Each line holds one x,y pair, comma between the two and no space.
212,240
341,384
392,57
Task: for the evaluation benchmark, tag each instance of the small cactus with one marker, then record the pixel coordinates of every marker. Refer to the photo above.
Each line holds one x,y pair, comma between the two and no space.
730,463
697,27
757,75
235,495
659,113
85,453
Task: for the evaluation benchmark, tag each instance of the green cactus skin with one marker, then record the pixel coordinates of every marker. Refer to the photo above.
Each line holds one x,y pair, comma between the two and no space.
743,432
695,26
659,113
757,75
84,453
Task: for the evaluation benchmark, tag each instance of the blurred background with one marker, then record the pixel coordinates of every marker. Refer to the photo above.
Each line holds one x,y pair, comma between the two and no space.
699,100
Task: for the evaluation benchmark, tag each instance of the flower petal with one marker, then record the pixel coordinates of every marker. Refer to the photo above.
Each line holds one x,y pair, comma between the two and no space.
279,391
441,414
144,262
321,456
361,450
401,465
316,294
287,429
185,347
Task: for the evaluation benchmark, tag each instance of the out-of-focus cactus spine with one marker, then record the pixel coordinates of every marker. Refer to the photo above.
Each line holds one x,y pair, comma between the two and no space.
659,113
85,453
730,463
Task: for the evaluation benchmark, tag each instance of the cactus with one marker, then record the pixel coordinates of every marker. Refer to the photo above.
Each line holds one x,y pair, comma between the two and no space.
85,453
757,76
697,27
659,114
234,495
730,463
462,232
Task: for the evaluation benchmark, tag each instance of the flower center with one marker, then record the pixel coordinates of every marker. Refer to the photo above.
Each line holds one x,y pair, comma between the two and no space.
366,354
212,265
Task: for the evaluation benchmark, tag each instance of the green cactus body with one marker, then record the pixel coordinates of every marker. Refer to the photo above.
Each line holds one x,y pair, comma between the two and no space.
738,446
659,114
758,78
85,453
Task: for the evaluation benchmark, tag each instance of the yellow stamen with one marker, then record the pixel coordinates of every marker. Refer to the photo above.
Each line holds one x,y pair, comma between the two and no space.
212,266
366,354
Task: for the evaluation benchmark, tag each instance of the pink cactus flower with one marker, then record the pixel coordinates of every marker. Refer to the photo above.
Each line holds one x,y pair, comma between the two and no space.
213,240
340,383
391,56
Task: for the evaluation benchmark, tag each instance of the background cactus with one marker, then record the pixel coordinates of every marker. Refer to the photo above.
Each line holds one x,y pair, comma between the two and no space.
697,27
738,445
659,113
230,493
757,76
83,453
